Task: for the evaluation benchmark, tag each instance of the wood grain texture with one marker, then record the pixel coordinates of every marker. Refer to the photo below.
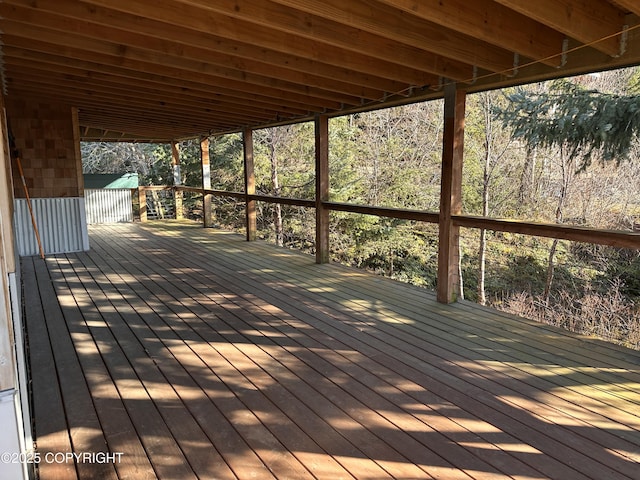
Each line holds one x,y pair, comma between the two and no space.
208,356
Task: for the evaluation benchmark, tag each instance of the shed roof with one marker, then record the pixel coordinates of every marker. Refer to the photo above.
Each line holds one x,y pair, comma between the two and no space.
171,69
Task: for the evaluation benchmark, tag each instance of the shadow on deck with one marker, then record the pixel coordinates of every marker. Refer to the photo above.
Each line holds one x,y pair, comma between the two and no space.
190,353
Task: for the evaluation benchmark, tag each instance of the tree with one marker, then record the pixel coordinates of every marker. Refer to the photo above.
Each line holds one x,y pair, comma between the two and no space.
580,125
588,123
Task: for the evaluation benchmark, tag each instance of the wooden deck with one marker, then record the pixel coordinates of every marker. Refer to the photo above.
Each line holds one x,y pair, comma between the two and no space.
194,354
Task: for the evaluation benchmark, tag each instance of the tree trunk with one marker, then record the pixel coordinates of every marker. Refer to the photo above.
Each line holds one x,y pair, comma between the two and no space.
550,271
528,177
567,174
277,214
482,259
486,181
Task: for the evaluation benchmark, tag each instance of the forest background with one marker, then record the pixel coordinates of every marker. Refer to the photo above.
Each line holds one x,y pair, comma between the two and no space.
391,158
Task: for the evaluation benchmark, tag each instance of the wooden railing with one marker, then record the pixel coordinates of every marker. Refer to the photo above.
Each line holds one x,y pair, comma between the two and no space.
615,238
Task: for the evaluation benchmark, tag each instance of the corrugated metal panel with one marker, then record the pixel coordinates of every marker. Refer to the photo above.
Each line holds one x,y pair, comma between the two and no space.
108,205
61,223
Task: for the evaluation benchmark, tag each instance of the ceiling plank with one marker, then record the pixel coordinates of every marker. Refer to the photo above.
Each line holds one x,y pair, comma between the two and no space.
287,32
411,30
100,23
143,89
138,57
492,23
104,93
71,54
632,5
596,23
51,62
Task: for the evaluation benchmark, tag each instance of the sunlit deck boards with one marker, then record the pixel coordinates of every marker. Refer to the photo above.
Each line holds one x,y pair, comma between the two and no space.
198,355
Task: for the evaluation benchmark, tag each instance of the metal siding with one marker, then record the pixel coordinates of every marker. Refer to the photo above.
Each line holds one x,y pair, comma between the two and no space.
61,223
109,205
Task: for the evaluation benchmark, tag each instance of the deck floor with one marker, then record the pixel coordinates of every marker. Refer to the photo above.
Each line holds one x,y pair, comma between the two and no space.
191,353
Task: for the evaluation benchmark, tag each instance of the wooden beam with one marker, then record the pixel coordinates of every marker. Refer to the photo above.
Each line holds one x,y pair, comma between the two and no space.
6,192
632,5
396,25
499,26
588,21
86,84
237,23
296,33
138,58
249,184
448,283
613,238
207,212
142,201
202,87
322,188
7,259
123,28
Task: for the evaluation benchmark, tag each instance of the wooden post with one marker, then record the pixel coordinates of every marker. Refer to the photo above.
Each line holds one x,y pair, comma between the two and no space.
322,188
177,179
249,184
142,200
7,263
451,194
206,182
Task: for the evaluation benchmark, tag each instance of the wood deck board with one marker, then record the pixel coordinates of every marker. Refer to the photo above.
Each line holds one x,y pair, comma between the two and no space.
550,439
231,359
51,433
596,466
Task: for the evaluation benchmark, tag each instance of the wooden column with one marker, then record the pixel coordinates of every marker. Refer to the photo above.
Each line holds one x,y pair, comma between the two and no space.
322,188
249,184
142,200
7,265
177,179
206,182
451,194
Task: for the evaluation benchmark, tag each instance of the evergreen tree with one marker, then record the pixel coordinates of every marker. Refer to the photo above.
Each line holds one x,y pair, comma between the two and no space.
587,123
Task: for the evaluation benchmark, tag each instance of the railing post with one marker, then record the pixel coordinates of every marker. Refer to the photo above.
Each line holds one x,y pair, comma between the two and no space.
322,188
448,284
249,184
177,179
206,182
142,201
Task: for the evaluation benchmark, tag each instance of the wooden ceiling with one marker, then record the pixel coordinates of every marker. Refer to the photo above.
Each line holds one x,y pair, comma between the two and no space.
171,69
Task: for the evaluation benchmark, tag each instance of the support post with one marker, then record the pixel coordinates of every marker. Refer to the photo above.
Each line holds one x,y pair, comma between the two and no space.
448,284
249,184
206,182
322,188
177,179
142,201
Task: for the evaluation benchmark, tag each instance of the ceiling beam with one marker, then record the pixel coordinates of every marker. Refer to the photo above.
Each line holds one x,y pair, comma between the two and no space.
396,25
56,63
595,23
492,23
632,5
71,54
138,58
100,23
272,26
143,90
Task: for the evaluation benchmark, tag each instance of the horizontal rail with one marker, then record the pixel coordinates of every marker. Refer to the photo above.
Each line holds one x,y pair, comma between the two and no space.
208,191
301,202
614,238
400,213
